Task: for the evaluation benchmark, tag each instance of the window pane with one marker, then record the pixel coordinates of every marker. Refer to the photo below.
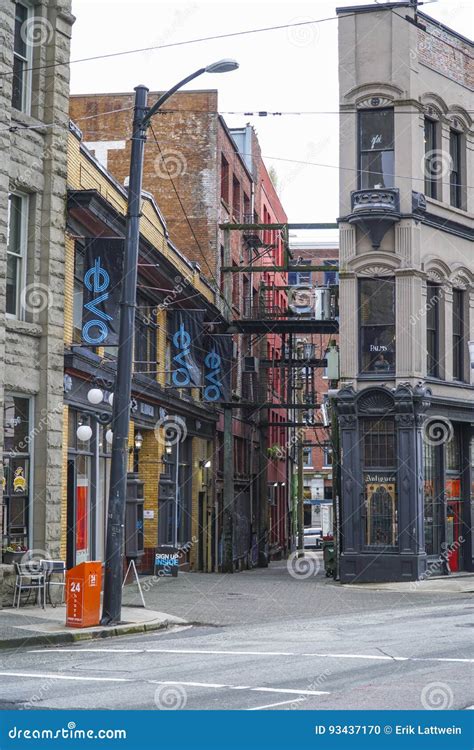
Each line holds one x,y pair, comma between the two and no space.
16,424
377,301
376,129
377,170
18,82
21,15
13,270
15,211
377,325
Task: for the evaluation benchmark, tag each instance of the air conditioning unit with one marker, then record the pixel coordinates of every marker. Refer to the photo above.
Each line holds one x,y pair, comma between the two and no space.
322,303
251,364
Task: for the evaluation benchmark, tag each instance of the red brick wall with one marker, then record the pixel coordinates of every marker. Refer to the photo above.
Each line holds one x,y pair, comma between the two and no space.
187,133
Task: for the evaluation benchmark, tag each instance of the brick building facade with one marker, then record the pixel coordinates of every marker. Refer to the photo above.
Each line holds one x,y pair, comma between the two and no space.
200,180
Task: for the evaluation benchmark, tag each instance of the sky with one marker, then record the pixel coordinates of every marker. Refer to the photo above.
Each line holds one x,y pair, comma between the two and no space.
288,70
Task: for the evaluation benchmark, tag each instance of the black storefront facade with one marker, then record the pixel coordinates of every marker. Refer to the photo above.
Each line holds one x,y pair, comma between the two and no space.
407,489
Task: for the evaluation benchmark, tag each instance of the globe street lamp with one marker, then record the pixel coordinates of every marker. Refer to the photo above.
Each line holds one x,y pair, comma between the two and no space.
112,603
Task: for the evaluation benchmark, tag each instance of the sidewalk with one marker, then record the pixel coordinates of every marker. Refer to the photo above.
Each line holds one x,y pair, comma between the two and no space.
455,583
36,626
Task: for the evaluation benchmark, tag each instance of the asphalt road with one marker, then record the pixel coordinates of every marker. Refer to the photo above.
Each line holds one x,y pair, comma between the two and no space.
405,656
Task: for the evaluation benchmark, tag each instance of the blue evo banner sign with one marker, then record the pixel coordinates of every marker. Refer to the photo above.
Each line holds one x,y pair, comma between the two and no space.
103,265
186,348
218,368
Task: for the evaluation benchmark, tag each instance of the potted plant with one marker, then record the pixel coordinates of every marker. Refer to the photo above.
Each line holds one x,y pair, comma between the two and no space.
13,553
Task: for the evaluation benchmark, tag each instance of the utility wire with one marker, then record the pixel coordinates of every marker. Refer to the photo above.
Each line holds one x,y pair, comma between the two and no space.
180,44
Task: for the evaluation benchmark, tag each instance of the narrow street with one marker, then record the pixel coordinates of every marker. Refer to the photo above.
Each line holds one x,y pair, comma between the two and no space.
267,641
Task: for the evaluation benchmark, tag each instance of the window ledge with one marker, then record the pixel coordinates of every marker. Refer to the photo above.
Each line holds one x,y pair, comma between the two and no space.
450,383
435,203
22,119
22,326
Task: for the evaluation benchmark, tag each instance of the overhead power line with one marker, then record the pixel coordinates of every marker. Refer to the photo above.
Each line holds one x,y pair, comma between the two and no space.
197,40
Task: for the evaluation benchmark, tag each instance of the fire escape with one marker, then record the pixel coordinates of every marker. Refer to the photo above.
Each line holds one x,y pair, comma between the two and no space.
306,311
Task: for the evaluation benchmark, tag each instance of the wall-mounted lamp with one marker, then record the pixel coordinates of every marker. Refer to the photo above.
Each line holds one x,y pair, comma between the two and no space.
138,441
84,433
95,396
169,449
205,464
275,484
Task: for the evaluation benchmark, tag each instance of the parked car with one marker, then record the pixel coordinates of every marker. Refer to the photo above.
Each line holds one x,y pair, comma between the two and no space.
313,537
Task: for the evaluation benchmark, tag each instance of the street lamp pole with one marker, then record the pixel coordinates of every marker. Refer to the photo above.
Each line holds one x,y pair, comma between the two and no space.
112,603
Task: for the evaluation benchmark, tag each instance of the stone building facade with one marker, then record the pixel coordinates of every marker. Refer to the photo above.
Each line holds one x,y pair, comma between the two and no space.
34,104
406,406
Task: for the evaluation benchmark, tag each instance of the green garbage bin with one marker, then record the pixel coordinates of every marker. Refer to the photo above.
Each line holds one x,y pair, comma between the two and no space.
329,556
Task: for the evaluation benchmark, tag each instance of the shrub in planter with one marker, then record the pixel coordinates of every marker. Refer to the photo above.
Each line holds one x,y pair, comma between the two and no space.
13,554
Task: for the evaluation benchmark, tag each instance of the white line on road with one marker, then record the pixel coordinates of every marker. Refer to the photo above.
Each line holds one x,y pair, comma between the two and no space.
274,705
64,677
214,685
289,691
215,652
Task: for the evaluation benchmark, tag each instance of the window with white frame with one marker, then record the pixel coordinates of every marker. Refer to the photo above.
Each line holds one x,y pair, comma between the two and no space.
307,457
327,455
17,242
22,58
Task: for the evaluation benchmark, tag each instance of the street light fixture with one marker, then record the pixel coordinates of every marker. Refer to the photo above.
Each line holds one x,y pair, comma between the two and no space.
112,603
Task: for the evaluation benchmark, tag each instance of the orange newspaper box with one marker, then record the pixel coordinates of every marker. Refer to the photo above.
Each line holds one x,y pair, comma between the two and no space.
83,584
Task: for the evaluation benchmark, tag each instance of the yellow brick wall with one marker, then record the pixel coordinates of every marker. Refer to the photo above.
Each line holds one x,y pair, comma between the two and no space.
150,469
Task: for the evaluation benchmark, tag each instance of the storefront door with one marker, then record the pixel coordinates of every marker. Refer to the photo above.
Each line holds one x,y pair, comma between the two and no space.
453,534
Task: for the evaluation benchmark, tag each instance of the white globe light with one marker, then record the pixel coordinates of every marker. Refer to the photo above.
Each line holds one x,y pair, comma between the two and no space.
111,399
84,433
95,396
109,436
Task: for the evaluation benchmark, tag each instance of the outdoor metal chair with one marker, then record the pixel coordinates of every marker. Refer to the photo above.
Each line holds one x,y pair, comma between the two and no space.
52,568
29,577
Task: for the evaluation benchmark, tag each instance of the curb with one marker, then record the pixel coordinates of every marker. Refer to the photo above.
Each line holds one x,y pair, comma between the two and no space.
62,638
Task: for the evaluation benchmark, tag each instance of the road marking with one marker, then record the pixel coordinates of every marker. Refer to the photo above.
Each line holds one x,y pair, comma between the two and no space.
214,685
273,705
289,691
64,677
215,652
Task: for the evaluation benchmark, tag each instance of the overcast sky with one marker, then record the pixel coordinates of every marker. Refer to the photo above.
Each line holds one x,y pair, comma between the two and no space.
288,70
